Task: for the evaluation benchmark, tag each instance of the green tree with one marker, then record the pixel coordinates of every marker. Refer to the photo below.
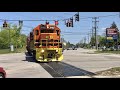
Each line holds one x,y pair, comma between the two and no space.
102,41
113,25
16,39
92,41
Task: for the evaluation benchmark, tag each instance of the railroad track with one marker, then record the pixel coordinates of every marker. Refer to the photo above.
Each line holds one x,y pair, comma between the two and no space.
62,70
51,70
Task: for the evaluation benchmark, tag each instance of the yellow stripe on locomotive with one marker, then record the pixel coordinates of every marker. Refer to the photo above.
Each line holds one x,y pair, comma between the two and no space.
50,54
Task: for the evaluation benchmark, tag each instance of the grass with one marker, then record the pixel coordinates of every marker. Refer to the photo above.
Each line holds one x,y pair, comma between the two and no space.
7,51
112,71
114,52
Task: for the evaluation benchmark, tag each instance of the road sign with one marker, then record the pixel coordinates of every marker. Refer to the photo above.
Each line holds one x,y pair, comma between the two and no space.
115,36
111,31
109,38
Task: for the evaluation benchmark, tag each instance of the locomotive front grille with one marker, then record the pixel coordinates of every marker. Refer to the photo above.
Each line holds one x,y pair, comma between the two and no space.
51,53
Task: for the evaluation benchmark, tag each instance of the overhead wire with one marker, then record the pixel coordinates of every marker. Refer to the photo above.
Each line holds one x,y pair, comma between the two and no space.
58,19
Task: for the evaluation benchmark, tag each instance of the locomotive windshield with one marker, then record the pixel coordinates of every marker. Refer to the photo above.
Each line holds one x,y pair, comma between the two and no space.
47,31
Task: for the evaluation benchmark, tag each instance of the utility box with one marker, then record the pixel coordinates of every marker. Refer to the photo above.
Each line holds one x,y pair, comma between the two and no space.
12,48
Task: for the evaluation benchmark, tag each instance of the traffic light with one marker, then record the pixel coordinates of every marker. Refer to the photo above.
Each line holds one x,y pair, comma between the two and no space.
65,23
56,22
47,22
5,24
77,17
68,23
71,22
20,23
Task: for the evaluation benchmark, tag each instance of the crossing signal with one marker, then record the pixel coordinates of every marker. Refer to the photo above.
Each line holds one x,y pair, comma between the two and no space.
5,24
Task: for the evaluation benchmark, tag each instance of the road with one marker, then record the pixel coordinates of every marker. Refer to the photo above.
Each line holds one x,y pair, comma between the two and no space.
81,62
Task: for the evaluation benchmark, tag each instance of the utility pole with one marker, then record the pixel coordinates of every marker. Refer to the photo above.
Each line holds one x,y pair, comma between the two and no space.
88,40
92,31
88,37
84,40
95,27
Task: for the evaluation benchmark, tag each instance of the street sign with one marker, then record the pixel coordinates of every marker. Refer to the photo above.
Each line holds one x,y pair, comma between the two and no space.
109,38
115,36
111,31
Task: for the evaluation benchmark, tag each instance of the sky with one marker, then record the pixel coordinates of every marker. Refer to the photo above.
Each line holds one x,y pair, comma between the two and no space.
73,34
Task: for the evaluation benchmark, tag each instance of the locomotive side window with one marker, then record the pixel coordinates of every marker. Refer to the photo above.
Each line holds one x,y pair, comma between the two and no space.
57,32
37,32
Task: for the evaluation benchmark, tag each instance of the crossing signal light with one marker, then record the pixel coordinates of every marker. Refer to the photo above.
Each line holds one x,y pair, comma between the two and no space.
5,24
77,17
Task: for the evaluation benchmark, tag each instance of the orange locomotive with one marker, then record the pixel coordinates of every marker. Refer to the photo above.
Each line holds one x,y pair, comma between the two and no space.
44,43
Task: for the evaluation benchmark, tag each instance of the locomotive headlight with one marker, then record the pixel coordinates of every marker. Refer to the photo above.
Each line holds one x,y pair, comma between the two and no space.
42,51
56,50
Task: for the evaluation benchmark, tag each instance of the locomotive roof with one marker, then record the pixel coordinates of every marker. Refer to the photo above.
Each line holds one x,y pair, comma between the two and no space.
39,26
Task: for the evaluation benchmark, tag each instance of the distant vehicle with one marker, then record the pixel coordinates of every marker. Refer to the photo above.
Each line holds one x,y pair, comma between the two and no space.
2,73
72,48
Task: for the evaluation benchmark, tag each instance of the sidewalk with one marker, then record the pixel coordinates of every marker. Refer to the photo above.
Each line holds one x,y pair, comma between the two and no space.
92,51
117,76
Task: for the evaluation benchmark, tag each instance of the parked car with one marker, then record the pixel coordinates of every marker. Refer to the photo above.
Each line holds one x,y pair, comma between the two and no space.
2,73
74,48
70,48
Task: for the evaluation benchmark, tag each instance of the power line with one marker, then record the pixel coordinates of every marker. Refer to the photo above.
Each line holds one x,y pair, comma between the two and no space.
57,20
108,15
100,16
